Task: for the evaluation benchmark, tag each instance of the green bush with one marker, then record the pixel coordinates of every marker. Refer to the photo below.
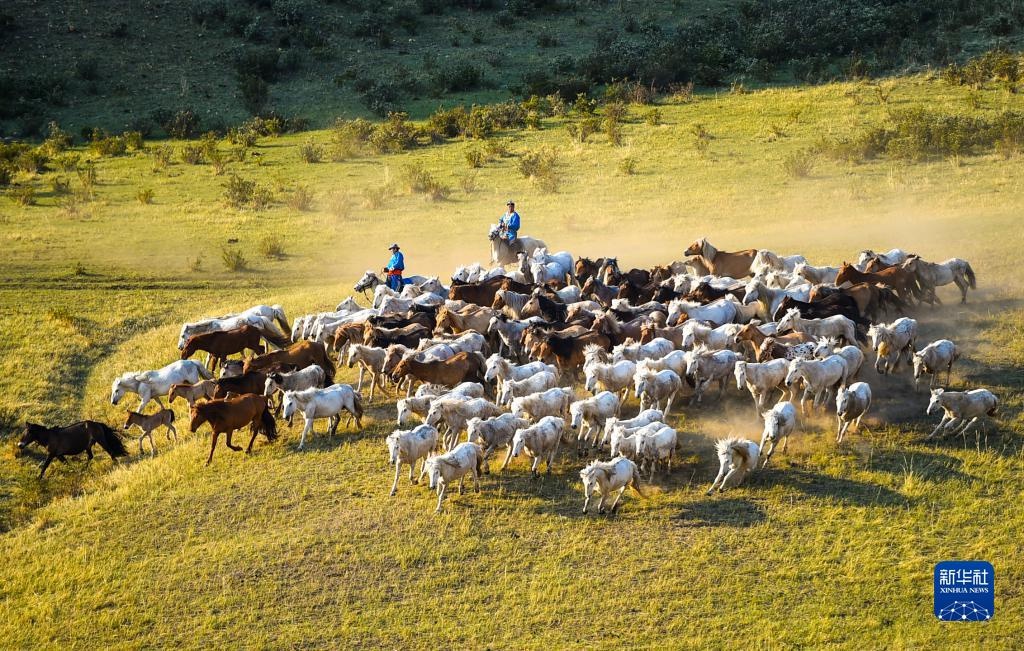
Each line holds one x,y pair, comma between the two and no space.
799,164
995,65
582,129
233,259
340,204
449,122
628,165
349,138
67,162
103,144
191,154
162,156
271,246
134,141
87,177
301,198
310,152
653,117
540,166
32,161
5,174
393,135
375,198
23,195
475,157
243,193
57,140
183,124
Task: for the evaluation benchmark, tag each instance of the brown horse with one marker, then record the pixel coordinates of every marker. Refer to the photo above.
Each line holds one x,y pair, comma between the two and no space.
471,318
722,263
348,333
616,331
704,293
566,351
225,415
482,293
74,439
599,291
461,367
903,281
299,355
545,308
409,336
162,418
192,392
751,333
222,344
248,382
650,331
587,268
872,300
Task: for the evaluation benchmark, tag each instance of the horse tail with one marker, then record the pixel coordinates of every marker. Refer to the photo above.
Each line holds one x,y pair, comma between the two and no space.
969,273
204,372
328,368
357,404
108,439
275,339
267,426
995,407
635,482
281,318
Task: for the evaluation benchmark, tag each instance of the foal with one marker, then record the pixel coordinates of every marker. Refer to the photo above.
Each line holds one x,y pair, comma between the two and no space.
162,418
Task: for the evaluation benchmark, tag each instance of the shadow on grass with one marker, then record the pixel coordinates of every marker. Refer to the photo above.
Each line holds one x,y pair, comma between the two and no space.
848,492
931,466
716,511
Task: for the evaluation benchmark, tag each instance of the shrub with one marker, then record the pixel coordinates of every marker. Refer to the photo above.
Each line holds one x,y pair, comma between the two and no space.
57,140
653,117
145,196
103,144
213,154
67,162
449,122
5,174
191,154
243,193
87,177
183,124
134,141
60,185
475,157
798,164
628,165
349,137
195,264
162,156
582,129
233,259
340,204
468,182
310,152
458,77
32,161
498,148
23,195
540,166
271,246
243,136
255,93
301,198
393,135
994,65
375,198
613,130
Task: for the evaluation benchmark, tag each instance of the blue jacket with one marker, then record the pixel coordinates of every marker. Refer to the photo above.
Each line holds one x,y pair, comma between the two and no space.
510,222
397,262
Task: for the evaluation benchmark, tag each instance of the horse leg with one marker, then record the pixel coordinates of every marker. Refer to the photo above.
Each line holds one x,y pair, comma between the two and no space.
615,503
718,479
398,470
213,446
373,384
442,489
236,448
152,444
359,383
951,427
940,426
536,464
171,430
45,464
140,443
307,427
508,458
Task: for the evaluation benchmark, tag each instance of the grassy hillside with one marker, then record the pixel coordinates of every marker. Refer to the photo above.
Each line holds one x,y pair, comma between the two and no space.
833,546
130,66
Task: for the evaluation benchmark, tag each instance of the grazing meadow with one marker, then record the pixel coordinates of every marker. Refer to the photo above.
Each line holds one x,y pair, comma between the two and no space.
833,545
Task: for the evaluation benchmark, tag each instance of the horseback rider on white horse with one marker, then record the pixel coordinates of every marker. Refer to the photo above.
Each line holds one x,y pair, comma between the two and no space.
509,223
394,268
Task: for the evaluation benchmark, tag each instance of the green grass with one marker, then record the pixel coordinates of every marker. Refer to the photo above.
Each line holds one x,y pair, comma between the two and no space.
834,546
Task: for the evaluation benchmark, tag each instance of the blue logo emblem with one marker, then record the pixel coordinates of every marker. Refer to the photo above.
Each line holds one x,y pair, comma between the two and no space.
965,591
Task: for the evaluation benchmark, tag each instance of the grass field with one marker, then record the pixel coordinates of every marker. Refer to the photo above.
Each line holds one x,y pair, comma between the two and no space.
834,546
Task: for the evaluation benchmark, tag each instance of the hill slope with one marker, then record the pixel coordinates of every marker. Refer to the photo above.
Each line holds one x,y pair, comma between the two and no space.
834,545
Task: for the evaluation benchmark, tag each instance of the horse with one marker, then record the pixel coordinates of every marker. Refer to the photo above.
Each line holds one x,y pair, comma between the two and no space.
540,441
162,418
779,423
150,385
599,291
820,376
851,405
300,355
265,317
892,342
192,392
903,281
769,260
409,446
503,253
833,326
465,458
72,439
966,407
816,275
371,280
449,372
932,358
608,476
936,274
736,459
586,268
224,343
722,263
470,319
323,403
225,415
482,293
890,257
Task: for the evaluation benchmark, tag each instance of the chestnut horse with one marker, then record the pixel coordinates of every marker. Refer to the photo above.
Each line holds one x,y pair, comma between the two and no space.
224,343
482,293
73,439
299,355
735,264
461,367
903,281
225,415
248,382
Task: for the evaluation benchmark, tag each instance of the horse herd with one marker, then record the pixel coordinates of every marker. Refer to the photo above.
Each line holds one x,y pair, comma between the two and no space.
551,353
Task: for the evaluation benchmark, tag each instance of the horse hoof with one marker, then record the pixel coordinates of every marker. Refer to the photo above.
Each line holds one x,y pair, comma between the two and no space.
393,493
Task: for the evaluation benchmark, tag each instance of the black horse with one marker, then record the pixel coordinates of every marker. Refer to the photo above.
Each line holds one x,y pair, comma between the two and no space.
71,440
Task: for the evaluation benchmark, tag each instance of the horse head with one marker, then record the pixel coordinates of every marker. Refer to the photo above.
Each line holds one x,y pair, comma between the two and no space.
31,435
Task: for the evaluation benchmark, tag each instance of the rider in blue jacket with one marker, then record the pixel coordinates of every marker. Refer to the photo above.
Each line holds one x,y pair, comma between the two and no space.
396,265
509,223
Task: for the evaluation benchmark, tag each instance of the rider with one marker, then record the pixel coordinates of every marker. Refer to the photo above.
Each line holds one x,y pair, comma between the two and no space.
396,265
509,223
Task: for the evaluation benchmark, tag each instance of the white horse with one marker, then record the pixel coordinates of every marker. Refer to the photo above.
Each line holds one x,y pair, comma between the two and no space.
820,376
456,412
706,366
564,259
492,433
769,260
653,349
536,383
466,458
892,342
370,280
541,273
833,326
553,402
645,417
501,370
659,445
408,446
853,355
816,275
369,359
933,358
768,299
851,405
323,403
502,253
588,414
936,274
657,387
724,336
426,394
263,324
762,379
608,476
717,312
779,423
736,459
150,385
540,441
890,257
961,409
615,377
